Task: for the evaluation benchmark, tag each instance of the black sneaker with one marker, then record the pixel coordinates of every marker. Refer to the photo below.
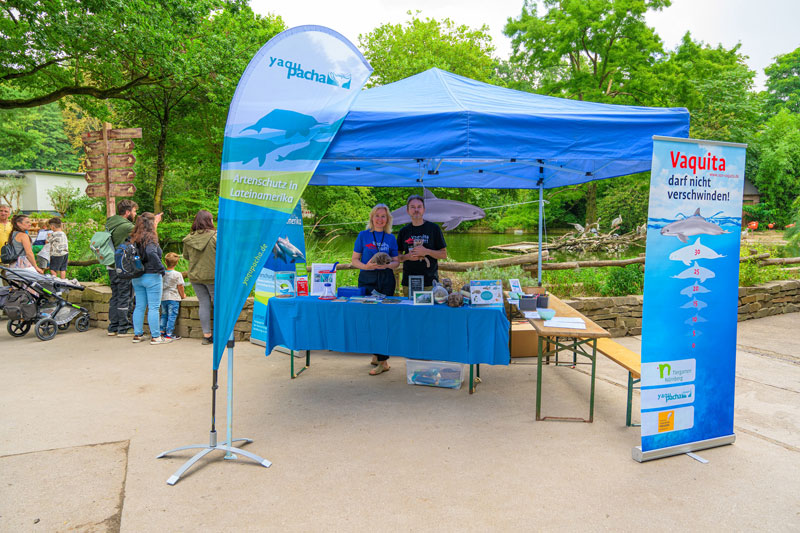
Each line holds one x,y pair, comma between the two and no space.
125,333
208,340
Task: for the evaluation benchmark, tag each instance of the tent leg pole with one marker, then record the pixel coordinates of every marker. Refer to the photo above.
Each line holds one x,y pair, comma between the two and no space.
212,445
541,212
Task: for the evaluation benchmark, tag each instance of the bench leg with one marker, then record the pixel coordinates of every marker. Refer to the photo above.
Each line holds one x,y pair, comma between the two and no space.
630,400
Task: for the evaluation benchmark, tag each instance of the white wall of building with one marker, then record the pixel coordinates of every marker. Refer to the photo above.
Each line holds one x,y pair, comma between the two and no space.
38,183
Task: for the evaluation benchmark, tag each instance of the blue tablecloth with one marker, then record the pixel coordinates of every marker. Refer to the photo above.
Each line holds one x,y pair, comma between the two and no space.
471,335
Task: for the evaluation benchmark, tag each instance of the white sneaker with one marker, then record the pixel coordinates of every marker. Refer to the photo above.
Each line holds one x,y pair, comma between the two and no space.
160,340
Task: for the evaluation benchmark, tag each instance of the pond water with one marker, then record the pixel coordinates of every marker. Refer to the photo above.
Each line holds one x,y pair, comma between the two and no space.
463,247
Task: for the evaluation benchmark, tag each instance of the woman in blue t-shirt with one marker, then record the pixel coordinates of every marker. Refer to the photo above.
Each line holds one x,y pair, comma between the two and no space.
373,276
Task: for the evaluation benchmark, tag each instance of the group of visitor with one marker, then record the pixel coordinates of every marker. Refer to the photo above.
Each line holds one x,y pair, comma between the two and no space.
419,246
160,288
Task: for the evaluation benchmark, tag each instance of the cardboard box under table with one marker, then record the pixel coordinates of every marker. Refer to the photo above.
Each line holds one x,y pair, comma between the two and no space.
468,335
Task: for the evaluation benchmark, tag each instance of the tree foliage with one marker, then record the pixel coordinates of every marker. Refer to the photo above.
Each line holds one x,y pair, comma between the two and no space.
98,48
397,51
778,175
598,50
783,82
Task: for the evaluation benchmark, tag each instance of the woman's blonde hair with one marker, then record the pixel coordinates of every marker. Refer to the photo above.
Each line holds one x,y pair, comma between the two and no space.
388,227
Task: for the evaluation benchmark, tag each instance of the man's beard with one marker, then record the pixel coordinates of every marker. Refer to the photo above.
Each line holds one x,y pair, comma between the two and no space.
130,216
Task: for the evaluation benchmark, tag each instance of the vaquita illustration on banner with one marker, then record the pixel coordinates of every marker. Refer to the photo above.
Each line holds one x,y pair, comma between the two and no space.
287,108
691,291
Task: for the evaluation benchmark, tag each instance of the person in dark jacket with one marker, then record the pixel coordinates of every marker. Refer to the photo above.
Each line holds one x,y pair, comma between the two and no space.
147,287
200,249
120,226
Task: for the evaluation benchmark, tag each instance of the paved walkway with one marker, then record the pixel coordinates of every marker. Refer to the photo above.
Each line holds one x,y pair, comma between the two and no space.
82,418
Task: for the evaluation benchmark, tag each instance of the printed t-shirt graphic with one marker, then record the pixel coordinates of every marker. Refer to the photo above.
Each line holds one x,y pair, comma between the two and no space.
428,235
368,243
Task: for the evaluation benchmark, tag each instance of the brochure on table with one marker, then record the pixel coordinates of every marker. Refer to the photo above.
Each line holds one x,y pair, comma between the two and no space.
319,277
486,292
284,272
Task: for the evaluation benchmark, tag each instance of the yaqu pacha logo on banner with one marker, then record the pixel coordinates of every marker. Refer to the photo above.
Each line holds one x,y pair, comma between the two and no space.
691,295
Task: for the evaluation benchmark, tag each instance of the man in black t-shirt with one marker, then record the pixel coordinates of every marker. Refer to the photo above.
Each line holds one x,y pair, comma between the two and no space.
420,244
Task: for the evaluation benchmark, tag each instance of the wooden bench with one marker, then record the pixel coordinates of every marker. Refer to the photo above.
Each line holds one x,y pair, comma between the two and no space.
627,359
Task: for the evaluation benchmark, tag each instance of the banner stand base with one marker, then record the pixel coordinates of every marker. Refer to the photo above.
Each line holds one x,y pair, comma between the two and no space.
660,453
206,449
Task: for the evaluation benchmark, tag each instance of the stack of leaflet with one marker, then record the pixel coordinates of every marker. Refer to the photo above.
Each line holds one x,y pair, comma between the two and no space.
567,322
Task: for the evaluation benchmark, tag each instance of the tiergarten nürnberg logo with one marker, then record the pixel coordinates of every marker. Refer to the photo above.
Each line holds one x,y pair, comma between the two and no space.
295,70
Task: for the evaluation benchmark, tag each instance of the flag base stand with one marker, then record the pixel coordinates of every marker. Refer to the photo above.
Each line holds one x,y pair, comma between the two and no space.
230,453
227,446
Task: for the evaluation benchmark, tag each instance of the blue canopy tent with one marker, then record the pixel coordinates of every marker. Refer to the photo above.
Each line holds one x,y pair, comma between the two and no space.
445,130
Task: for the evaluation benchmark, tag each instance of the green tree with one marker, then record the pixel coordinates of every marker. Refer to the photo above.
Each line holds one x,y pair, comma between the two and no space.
597,50
778,175
191,101
783,82
397,51
35,138
99,48
715,85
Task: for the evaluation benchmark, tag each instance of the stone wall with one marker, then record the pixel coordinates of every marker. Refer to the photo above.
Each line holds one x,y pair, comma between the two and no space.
622,315
96,296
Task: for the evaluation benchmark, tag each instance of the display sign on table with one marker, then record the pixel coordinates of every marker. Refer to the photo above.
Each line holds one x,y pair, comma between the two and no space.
285,268
691,291
288,106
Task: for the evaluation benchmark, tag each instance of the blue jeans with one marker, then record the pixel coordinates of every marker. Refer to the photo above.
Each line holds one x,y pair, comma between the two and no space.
147,288
169,313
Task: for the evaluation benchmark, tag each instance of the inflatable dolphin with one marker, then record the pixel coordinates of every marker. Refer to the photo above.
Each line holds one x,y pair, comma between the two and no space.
697,272
693,225
450,213
695,251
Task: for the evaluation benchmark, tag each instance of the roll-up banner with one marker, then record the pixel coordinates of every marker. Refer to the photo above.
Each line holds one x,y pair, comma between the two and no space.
691,290
285,266
287,108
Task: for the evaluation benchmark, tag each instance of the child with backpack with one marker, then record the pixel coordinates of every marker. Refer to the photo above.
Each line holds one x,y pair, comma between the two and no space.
58,248
171,296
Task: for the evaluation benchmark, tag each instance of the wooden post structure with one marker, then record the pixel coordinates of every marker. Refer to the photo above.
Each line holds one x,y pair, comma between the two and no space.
109,163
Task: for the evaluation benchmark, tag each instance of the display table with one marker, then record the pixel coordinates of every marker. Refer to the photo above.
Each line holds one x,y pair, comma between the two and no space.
469,335
581,342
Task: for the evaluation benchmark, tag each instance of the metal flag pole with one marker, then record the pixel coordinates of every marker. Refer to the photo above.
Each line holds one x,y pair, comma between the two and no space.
226,446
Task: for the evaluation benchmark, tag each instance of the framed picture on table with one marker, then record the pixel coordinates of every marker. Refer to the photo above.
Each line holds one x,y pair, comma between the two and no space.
423,298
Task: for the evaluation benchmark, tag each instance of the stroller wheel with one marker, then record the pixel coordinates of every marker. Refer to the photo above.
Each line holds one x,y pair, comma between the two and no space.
82,324
18,327
46,329
63,327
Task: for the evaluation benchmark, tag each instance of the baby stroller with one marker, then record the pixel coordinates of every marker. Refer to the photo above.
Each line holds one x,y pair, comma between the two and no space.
34,299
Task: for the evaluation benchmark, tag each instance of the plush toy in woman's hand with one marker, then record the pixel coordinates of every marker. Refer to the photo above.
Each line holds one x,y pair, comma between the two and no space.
381,258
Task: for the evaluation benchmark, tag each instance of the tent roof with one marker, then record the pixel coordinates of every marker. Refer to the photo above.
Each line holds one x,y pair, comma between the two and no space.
452,131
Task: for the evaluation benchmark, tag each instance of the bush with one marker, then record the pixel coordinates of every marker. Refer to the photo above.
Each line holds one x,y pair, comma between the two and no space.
622,281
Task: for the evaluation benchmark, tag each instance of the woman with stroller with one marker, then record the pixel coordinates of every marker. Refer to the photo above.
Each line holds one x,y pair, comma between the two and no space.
20,225
147,287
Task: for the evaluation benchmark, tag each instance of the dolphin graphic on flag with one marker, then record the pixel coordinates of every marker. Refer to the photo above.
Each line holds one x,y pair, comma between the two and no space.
284,114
